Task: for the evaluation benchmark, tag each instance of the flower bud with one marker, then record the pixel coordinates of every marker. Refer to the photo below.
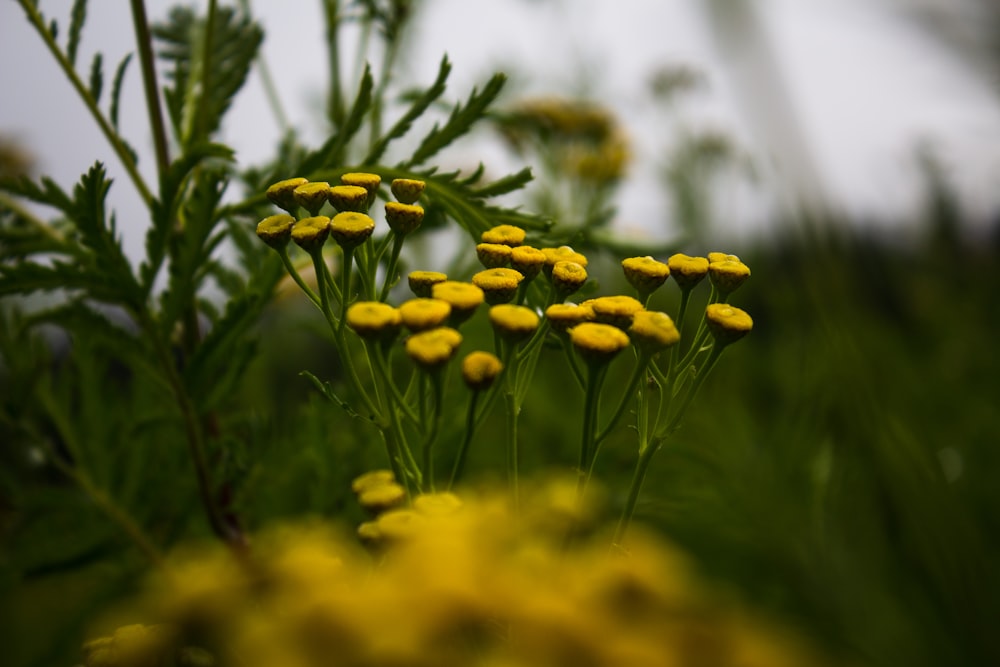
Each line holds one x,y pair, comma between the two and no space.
480,369
568,277
527,260
433,349
562,254
373,320
513,323
349,198
645,274
653,331
498,285
422,282
597,343
282,194
615,310
463,298
493,255
407,190
369,182
564,316
276,230
508,235
351,229
421,314
727,323
687,271
312,196
311,233
726,275
403,218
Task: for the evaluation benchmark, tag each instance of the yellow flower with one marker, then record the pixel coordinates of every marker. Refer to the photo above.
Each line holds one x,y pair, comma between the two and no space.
498,285
727,323
432,349
508,235
437,504
615,310
645,274
422,282
374,320
421,314
407,190
562,254
312,196
378,499
513,323
348,198
400,524
527,260
564,316
687,271
276,230
480,369
369,182
371,479
493,255
721,257
727,275
598,343
282,194
568,277
350,229
311,233
463,298
403,218
653,331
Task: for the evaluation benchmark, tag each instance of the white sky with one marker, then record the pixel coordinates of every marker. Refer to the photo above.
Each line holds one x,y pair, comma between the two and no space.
865,88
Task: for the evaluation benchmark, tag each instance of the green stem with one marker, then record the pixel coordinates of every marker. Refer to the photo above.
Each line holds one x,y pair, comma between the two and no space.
463,448
335,103
201,131
638,477
390,272
638,373
144,42
588,453
437,383
395,439
290,268
36,20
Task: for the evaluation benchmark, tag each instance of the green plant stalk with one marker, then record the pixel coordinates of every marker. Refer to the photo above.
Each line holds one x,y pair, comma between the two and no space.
463,448
395,439
290,268
206,71
588,454
437,384
335,103
346,272
144,43
117,144
390,272
638,373
43,227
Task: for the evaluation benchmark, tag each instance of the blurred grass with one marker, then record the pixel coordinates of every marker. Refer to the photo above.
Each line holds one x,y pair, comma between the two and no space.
838,469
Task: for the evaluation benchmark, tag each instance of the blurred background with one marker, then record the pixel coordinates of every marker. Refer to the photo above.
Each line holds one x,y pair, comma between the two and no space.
839,469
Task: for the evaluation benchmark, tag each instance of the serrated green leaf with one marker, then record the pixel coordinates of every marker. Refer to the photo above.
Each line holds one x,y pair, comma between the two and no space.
332,152
417,109
505,185
96,77
78,16
116,88
461,120
54,29
28,277
49,193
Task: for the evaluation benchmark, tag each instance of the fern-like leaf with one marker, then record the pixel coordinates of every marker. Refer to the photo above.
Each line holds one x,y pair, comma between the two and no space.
462,118
332,152
78,16
116,88
96,77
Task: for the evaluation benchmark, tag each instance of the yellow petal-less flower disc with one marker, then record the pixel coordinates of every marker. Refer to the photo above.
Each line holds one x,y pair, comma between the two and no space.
615,310
564,316
653,331
562,254
721,257
348,198
513,323
727,323
421,314
727,275
311,196
311,233
567,277
433,348
687,271
400,524
372,478
480,369
276,230
422,282
350,228
498,285
403,218
282,193
596,342
509,235
378,499
407,190
463,298
645,274
527,260
437,504
369,182
373,320
493,255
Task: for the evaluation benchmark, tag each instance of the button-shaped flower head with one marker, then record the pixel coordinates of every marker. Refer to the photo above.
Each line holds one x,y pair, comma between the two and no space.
493,255
422,282
653,331
407,190
727,323
311,233
312,196
282,194
498,285
513,323
480,369
615,310
432,349
369,182
562,254
350,229
508,235
645,274
567,278
349,198
403,218
463,298
276,230
727,274
565,316
597,343
687,271
421,314
527,260
374,320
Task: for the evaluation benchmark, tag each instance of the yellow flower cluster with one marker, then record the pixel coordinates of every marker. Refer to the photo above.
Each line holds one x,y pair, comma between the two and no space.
463,583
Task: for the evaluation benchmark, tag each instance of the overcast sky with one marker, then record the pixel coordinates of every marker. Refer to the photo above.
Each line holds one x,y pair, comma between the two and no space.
863,87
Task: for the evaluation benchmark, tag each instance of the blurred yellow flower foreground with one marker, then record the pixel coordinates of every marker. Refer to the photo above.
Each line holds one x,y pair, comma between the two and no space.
455,584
